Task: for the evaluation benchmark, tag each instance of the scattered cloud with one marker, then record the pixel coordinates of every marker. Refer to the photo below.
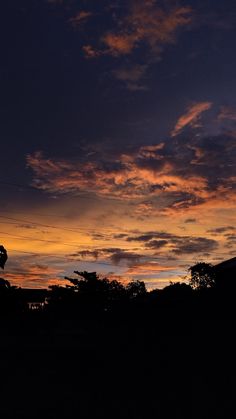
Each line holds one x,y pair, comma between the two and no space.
156,244
167,177
94,254
115,255
123,179
175,243
80,18
191,245
149,268
146,22
32,275
137,24
191,117
132,76
227,113
144,209
129,257
221,230
90,52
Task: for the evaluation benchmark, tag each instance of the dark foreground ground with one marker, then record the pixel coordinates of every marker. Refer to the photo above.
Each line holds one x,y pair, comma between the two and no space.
125,370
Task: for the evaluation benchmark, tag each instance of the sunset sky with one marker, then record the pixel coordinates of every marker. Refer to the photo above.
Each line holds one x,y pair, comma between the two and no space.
118,138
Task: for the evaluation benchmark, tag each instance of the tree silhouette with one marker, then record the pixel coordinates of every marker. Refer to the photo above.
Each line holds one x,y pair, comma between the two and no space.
3,256
177,290
4,284
202,275
136,289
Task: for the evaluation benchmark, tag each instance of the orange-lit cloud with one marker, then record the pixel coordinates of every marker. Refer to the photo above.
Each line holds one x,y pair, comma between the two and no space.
149,268
32,275
154,274
80,18
90,52
146,22
191,117
134,24
178,175
126,180
114,255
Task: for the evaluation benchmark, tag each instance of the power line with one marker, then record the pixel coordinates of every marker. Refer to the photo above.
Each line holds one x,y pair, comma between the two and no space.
83,195
35,239
17,185
75,229
35,223
43,255
67,258
35,213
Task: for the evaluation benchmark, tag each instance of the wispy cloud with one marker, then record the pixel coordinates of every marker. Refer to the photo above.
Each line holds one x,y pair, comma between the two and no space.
191,117
147,268
116,256
227,113
80,18
174,243
146,22
132,75
138,24
126,179
221,230
32,274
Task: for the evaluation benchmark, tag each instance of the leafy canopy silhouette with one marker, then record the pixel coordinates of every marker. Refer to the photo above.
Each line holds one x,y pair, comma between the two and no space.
3,256
202,275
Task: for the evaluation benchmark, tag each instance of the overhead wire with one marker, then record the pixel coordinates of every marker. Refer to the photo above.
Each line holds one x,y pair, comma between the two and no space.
74,229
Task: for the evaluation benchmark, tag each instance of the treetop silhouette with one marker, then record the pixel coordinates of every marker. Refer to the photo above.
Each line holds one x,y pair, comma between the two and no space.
3,256
202,275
